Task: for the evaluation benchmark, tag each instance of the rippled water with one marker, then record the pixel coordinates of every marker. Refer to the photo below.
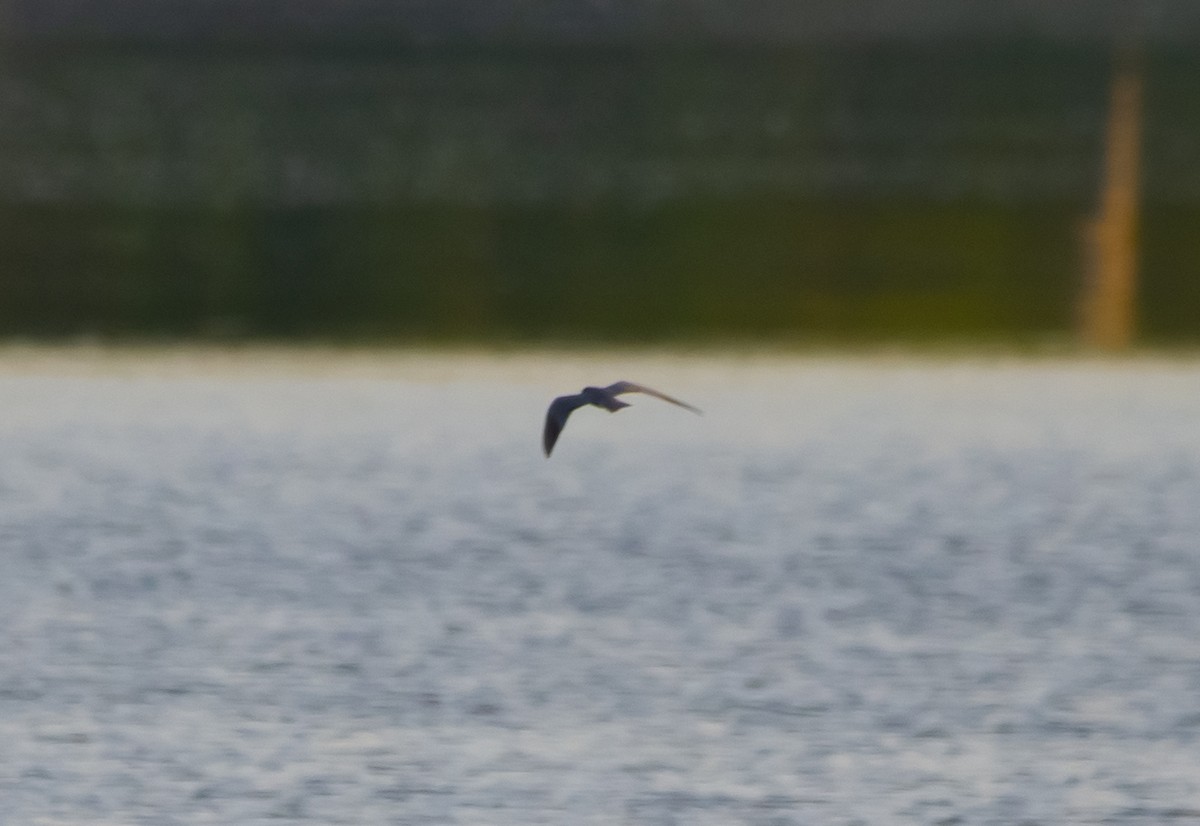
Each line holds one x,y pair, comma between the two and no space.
345,589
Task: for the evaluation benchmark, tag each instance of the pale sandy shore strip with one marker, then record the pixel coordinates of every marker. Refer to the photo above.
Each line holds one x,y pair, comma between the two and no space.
544,364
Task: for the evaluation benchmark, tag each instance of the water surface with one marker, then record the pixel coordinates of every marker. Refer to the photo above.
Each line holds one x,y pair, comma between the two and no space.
268,587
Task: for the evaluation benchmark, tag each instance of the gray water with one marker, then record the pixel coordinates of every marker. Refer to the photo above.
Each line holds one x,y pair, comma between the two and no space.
350,590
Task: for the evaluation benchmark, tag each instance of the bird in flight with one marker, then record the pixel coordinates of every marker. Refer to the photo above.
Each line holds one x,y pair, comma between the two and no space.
606,397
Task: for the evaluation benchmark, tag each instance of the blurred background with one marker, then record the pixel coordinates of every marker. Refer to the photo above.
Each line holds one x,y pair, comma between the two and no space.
601,170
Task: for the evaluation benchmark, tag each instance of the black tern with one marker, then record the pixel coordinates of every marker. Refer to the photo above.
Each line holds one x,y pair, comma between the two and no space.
606,397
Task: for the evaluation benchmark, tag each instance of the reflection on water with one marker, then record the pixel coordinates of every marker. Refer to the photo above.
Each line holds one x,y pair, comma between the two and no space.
353,591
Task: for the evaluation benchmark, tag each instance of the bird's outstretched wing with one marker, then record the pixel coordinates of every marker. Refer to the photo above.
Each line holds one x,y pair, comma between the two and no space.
629,387
556,418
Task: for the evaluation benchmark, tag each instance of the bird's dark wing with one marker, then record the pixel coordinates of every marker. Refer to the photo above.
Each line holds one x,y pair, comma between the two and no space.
629,387
556,419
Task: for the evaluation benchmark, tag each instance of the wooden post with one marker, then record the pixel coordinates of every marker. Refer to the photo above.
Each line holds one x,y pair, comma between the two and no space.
1109,298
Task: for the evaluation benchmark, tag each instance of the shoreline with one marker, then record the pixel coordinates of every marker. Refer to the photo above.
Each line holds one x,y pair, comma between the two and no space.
448,360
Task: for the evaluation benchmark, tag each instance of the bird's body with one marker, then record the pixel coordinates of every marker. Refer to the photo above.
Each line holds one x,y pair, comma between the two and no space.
604,397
